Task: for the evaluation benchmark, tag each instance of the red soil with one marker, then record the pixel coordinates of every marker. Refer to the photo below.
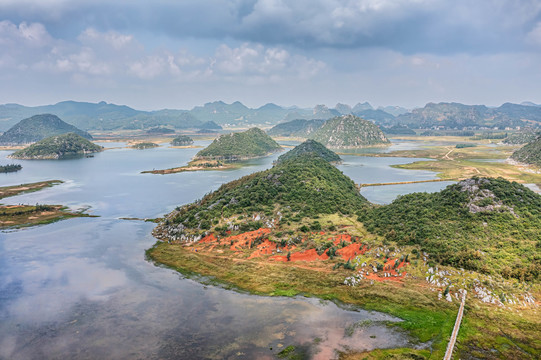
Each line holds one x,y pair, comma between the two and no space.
340,238
308,255
245,240
350,251
265,248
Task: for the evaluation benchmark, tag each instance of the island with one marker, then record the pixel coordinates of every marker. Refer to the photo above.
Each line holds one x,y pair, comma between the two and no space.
39,127
228,150
529,153
302,228
18,216
144,145
10,168
350,132
182,140
58,147
299,128
311,146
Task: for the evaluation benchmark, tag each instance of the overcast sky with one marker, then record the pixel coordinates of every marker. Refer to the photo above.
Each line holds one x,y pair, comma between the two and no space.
178,54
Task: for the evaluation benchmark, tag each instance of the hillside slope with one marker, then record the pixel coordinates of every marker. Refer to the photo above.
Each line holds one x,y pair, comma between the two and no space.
310,147
529,153
482,224
349,132
39,127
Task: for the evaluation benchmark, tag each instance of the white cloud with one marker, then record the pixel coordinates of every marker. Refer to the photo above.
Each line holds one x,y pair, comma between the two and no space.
534,36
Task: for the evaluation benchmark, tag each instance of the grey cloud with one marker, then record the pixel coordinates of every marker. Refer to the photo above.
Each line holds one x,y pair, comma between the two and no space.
408,26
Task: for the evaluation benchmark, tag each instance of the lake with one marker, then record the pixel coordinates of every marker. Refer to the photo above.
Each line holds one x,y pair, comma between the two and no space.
82,288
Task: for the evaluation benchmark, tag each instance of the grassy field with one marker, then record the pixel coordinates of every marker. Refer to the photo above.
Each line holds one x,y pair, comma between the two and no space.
17,216
451,163
487,331
7,191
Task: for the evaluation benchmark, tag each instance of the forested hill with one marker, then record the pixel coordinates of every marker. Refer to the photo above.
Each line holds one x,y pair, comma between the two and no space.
39,127
304,186
349,131
296,128
310,146
58,147
482,224
248,144
529,153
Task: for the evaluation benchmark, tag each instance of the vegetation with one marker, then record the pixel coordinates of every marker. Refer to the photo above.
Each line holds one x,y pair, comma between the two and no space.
17,216
486,225
182,140
310,146
447,133
39,127
522,137
144,145
10,168
460,116
529,153
464,145
349,132
490,136
8,191
299,128
398,130
238,146
304,210
304,186
158,130
58,147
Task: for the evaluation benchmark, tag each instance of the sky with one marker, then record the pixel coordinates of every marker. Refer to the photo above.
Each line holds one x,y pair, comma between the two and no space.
183,53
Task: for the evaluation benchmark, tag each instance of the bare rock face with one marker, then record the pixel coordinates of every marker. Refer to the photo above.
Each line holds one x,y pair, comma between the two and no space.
482,200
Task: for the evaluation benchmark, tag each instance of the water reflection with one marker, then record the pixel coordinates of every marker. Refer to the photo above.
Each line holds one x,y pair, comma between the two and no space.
81,288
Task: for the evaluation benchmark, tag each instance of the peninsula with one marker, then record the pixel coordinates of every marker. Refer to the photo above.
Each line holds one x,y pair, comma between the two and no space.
302,227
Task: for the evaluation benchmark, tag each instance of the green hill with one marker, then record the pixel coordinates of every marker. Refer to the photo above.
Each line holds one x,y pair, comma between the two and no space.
296,128
39,127
237,146
349,132
58,147
182,140
302,186
482,224
144,145
310,146
529,153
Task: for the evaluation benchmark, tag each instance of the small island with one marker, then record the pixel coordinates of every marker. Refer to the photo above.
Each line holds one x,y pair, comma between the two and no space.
228,150
182,140
18,216
350,132
58,147
10,168
302,228
144,145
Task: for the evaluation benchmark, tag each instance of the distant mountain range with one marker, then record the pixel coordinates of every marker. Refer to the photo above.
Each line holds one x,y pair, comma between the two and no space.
104,116
459,116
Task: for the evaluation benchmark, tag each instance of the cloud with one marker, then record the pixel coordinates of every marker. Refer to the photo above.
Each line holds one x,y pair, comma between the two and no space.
95,53
408,26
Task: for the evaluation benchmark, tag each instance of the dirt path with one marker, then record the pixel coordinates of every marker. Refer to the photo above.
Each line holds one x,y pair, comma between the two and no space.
446,156
451,344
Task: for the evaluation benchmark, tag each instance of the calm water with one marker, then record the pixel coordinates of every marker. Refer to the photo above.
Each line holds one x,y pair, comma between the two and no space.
81,288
